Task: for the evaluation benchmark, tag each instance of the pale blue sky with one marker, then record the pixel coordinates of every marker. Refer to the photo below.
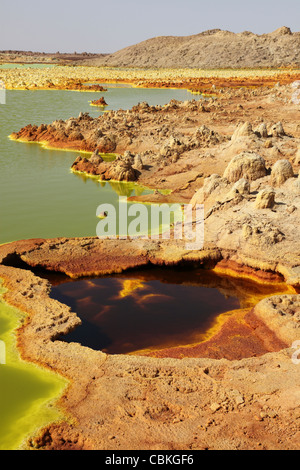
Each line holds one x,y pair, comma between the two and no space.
107,26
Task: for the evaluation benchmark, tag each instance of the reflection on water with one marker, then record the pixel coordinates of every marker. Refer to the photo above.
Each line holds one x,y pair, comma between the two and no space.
128,189
121,188
154,309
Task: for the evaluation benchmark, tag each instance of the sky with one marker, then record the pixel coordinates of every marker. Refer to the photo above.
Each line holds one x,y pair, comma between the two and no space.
107,26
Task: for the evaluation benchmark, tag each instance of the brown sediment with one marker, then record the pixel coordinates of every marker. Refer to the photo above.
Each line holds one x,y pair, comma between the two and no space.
204,85
83,257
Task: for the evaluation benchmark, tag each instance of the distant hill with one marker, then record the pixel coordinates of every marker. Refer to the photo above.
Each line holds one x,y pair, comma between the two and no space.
211,49
25,57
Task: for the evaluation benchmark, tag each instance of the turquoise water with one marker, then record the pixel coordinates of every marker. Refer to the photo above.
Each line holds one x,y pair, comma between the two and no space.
40,197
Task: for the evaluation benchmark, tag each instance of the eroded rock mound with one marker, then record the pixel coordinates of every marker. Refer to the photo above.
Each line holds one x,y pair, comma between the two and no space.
281,313
100,102
243,130
277,130
121,170
207,137
242,186
94,165
265,199
281,172
213,185
172,146
250,166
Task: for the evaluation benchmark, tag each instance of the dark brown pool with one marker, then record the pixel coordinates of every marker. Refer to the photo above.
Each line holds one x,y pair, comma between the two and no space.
152,309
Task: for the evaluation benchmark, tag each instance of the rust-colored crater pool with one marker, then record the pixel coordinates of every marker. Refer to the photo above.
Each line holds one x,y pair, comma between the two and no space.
155,309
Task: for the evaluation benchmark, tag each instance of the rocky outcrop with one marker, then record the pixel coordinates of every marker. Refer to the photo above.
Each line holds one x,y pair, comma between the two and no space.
281,172
100,102
265,199
138,163
277,130
93,166
208,137
242,187
281,313
179,144
121,169
243,130
297,157
213,186
250,166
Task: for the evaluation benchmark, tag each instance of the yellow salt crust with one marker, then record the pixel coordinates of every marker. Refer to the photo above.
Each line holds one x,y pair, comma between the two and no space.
37,78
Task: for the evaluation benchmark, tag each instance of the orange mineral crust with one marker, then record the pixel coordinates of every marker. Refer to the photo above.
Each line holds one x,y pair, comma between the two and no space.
241,336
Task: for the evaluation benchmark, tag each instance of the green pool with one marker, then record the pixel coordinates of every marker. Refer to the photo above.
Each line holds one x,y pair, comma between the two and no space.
26,391
40,197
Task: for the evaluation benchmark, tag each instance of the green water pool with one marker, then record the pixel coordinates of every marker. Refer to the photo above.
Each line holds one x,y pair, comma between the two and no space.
26,391
40,197
26,66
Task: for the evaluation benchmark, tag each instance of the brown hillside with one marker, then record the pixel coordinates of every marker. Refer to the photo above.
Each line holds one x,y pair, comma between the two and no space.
212,49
